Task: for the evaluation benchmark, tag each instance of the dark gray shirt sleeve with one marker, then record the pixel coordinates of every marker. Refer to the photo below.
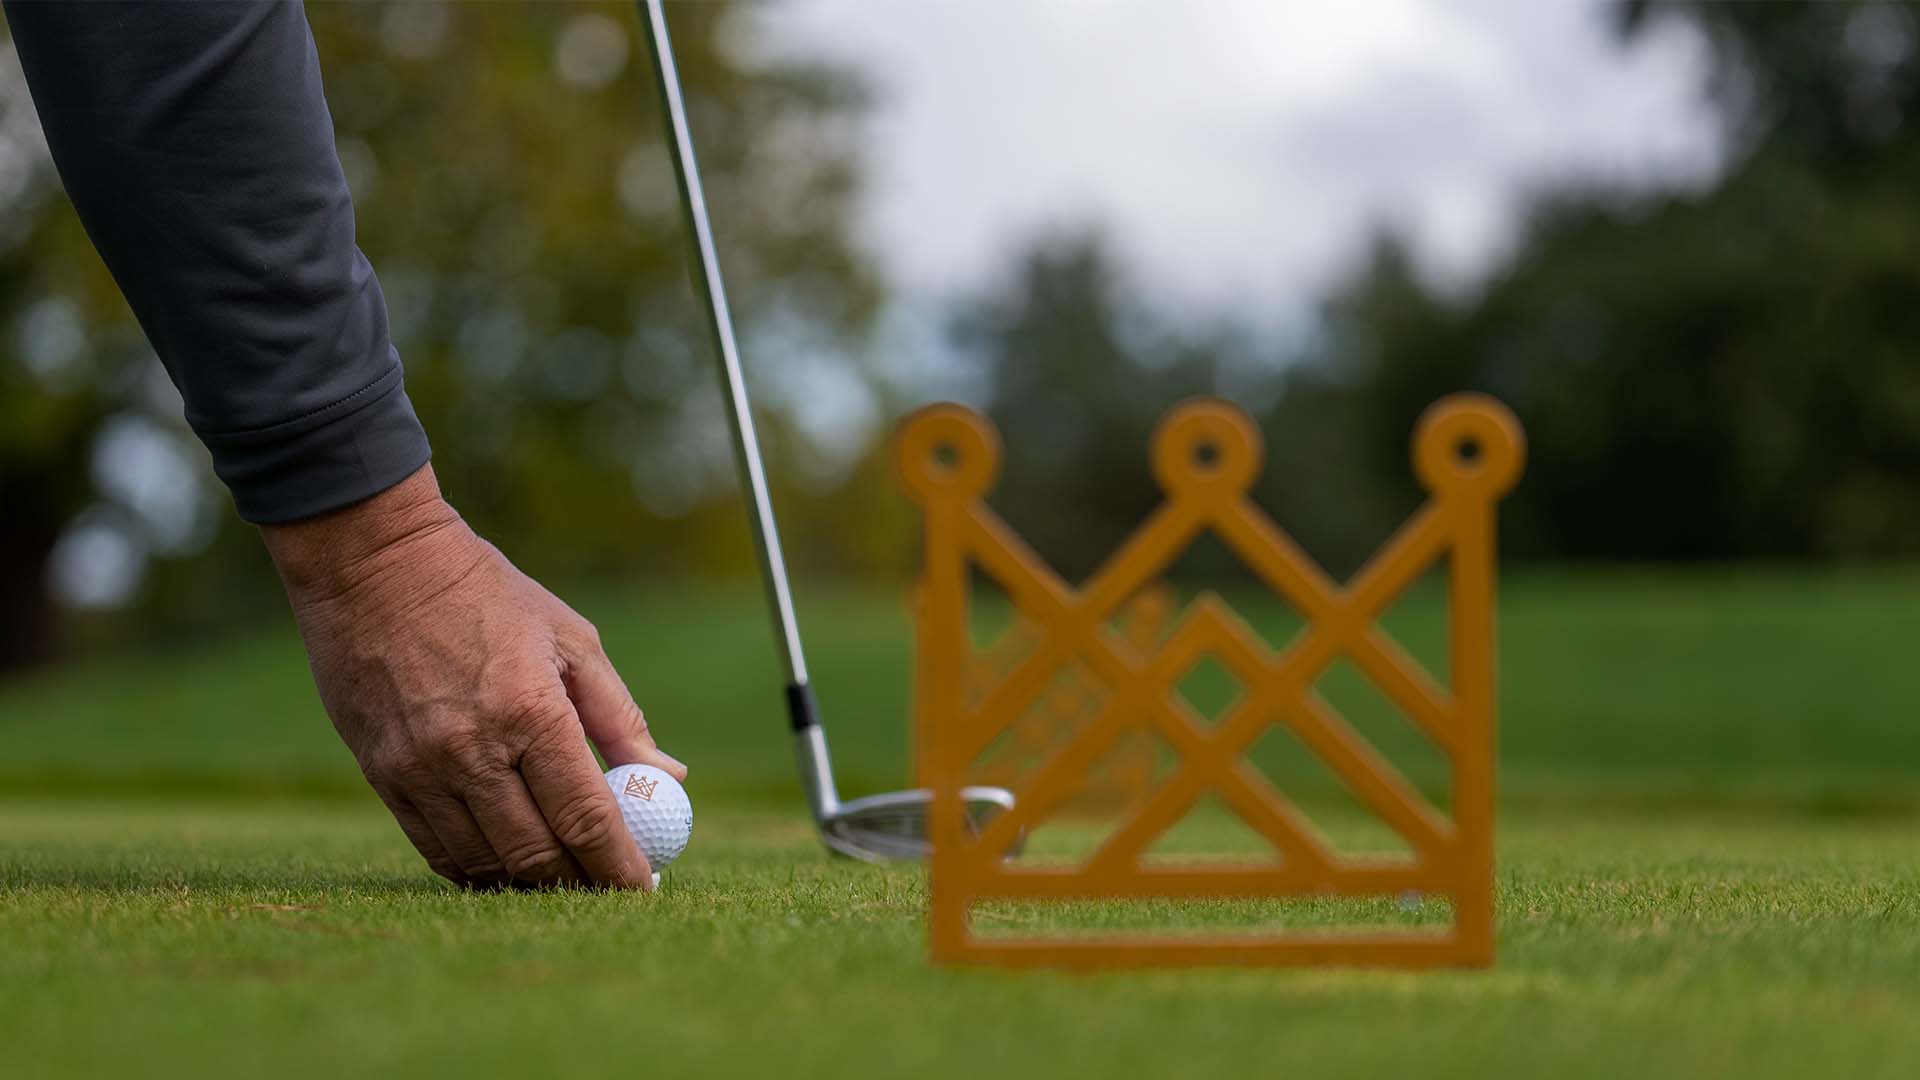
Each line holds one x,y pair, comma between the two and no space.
197,147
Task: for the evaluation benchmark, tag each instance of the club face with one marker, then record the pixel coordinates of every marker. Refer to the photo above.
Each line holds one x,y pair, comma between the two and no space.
893,827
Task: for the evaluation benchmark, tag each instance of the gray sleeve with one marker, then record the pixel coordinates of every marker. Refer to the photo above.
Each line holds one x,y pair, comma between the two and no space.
195,142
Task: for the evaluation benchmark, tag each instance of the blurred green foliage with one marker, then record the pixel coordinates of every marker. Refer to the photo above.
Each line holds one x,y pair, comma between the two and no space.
1726,373
515,198
1732,373
1721,371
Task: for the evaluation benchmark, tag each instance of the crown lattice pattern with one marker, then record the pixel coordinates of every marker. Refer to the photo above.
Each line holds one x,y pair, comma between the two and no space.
1467,452
1064,709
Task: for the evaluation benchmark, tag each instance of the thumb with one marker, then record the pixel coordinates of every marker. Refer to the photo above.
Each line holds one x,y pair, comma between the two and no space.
610,718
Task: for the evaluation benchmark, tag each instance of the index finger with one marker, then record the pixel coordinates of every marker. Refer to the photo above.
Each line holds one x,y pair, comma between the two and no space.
580,808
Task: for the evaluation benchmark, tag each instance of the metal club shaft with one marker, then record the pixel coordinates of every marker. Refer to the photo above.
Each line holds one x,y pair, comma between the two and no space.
809,741
878,828
713,294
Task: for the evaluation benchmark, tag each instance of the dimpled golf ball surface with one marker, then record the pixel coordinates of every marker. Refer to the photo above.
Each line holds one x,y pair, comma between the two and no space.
656,810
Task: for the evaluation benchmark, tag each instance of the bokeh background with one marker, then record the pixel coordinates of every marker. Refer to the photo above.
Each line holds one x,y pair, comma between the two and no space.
1680,240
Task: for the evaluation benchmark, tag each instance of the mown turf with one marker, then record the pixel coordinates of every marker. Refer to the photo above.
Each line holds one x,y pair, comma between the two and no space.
1710,866
303,941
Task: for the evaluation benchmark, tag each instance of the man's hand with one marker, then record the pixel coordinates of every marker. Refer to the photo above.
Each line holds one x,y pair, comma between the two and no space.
466,691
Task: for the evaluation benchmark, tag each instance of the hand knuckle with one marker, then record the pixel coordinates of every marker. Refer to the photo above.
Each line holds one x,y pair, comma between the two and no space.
458,749
434,748
536,710
380,776
535,861
483,866
400,770
581,826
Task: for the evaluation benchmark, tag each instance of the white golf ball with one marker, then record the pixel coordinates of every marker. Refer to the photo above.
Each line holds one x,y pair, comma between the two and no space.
656,810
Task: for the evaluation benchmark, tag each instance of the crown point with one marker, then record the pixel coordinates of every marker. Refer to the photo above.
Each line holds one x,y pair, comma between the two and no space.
947,451
1468,444
1206,447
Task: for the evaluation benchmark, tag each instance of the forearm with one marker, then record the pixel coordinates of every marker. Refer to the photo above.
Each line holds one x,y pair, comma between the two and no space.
197,146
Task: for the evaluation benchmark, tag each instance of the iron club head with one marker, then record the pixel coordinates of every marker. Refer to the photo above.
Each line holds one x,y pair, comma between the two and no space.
893,827
878,828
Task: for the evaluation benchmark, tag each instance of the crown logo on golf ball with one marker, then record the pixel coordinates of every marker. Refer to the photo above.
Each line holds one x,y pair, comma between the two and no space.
641,787
1467,453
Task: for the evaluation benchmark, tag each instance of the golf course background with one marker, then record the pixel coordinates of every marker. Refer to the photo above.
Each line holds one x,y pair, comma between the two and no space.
1709,750
1708,868
1770,689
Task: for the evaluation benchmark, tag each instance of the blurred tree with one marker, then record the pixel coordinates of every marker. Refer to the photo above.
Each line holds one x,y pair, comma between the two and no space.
1723,373
515,198
69,360
1080,367
1070,395
1726,373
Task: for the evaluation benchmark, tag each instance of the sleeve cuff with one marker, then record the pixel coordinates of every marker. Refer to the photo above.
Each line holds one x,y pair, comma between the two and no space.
349,451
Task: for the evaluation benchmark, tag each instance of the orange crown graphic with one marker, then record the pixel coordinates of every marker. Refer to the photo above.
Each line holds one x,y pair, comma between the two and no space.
1064,708
1467,453
641,787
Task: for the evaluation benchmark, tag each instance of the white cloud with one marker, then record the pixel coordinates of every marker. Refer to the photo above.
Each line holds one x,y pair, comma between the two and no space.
1239,149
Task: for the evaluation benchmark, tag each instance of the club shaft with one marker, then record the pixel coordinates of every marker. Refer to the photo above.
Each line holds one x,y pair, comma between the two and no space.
712,292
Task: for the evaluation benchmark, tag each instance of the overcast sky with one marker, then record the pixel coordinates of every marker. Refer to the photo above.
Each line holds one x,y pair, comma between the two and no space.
1240,149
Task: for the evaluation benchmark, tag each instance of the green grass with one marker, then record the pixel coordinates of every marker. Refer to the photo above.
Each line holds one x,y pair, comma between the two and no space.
1709,867
305,941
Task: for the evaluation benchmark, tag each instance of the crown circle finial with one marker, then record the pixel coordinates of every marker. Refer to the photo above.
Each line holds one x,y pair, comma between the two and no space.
1468,444
1206,445
947,450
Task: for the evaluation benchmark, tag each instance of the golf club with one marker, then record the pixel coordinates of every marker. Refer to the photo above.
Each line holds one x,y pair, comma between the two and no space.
878,828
